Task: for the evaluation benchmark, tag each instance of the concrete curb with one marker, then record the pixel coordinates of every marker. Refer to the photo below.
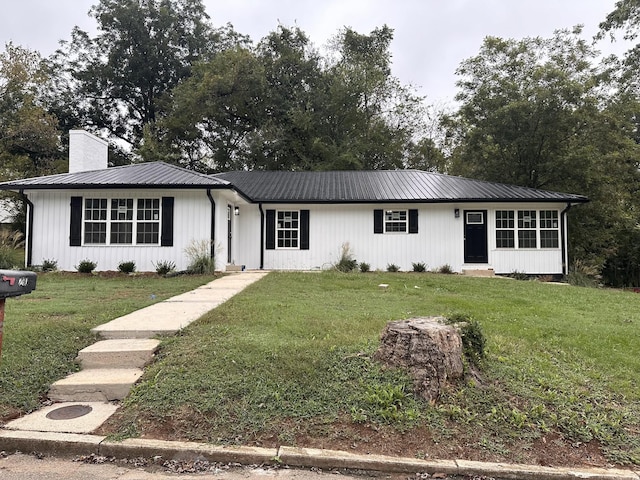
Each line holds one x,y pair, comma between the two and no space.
64,444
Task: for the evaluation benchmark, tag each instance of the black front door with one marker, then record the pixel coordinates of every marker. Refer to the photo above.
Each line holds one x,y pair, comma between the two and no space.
475,236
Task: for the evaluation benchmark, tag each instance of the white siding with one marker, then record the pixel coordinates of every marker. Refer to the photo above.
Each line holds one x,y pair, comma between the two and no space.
192,222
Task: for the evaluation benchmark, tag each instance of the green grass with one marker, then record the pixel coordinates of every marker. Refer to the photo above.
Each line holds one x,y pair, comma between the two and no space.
292,354
290,358
44,330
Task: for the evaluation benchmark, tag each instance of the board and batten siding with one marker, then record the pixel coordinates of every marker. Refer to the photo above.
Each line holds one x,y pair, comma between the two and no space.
51,228
439,241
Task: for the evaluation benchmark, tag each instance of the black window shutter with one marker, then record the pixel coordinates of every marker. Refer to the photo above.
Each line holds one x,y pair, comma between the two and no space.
413,221
166,229
75,233
304,229
270,230
378,221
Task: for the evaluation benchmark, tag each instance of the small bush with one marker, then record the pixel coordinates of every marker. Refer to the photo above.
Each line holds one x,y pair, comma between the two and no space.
86,266
364,267
419,267
127,267
473,340
347,263
163,267
583,275
10,242
446,269
392,267
49,265
516,275
202,257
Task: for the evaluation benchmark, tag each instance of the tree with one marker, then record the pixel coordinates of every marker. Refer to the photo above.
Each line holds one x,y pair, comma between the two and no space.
115,81
534,113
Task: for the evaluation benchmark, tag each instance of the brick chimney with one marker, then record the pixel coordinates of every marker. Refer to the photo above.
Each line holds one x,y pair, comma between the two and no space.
86,152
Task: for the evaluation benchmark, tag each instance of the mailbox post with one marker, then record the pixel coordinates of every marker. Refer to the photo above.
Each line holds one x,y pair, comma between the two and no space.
13,283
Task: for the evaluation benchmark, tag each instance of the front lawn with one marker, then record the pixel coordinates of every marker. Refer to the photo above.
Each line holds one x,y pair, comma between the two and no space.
44,330
288,361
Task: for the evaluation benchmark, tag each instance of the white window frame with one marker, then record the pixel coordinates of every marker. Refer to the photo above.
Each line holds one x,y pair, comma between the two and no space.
541,222
125,211
288,229
399,219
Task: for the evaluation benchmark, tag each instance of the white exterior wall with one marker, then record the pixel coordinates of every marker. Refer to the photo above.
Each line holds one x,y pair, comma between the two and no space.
51,226
439,241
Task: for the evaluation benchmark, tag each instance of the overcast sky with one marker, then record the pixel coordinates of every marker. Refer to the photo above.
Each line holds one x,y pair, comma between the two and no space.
431,37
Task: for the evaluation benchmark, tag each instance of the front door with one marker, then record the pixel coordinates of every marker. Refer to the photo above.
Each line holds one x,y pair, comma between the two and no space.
229,224
475,236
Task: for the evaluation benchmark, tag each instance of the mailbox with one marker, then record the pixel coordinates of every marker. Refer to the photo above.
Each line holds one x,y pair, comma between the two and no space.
14,283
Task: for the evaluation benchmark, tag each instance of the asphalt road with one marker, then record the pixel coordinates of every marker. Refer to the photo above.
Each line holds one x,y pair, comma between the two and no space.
29,467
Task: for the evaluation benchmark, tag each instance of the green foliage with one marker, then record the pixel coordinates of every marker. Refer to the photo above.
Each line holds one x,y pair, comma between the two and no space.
347,263
392,267
386,403
473,340
127,267
49,265
419,267
11,249
446,269
364,267
202,257
516,275
86,266
583,275
163,267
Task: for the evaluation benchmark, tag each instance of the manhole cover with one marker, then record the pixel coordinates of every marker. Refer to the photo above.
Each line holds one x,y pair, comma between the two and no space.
70,412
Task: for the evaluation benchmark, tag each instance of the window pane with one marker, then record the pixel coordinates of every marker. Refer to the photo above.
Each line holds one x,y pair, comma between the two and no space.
147,233
526,219
505,239
395,221
526,239
95,232
122,232
287,228
504,219
548,219
549,239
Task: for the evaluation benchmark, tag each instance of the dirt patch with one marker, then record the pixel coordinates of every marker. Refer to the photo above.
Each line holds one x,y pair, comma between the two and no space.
550,450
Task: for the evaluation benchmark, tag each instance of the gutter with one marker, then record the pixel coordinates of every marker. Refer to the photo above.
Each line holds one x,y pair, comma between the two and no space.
29,248
213,224
261,236
565,240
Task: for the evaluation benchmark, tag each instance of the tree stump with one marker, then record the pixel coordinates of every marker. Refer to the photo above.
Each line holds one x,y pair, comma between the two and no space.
429,349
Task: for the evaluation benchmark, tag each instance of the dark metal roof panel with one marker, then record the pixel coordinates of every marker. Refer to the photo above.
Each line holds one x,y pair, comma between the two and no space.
139,175
379,186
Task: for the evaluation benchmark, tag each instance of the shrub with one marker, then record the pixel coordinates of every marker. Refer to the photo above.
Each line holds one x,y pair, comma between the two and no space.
201,256
127,267
473,340
364,267
583,275
10,242
163,267
446,268
392,267
86,266
347,262
516,275
49,265
419,267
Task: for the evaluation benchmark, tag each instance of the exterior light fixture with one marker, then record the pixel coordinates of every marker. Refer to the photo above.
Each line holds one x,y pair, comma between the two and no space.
456,212
236,211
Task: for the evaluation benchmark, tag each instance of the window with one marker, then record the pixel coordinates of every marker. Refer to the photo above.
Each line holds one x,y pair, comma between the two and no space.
95,225
505,225
148,224
527,229
531,225
119,226
288,229
395,221
549,237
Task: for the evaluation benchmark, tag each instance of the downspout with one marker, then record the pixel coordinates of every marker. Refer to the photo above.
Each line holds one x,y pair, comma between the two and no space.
261,236
213,224
29,252
565,240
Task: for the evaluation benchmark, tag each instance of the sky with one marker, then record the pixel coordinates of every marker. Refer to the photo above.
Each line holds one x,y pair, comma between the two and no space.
431,37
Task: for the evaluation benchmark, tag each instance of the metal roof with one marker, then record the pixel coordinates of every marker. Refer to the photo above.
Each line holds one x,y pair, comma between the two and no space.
139,175
380,186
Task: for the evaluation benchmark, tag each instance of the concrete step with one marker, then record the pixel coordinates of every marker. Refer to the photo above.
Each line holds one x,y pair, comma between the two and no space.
95,385
120,353
480,272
